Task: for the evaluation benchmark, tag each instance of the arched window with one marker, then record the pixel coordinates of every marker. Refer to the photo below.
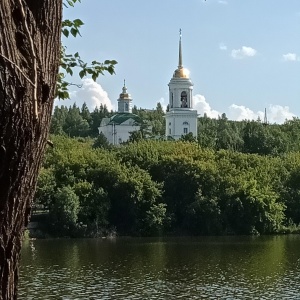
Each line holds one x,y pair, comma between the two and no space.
184,99
185,127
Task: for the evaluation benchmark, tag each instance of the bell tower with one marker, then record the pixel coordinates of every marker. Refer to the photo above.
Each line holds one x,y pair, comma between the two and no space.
124,101
181,119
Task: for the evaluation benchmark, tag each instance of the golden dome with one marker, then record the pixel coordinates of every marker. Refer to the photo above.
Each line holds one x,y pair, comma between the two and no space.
124,95
181,73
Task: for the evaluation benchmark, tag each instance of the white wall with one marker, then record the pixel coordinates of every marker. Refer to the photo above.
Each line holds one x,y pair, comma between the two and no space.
175,120
117,134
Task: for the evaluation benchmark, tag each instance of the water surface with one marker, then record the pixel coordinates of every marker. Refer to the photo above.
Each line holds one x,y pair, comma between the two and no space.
166,268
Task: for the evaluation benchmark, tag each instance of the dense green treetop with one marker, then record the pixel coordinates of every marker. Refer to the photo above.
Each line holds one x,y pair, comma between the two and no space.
153,187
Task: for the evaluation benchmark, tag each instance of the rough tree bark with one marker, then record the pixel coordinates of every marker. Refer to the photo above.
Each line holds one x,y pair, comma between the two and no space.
29,60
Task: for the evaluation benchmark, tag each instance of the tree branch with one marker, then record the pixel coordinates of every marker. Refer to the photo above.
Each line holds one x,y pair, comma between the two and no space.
34,60
18,68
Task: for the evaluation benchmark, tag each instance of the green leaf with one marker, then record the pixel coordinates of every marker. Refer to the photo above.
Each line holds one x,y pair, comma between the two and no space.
66,95
72,65
65,32
111,70
78,23
94,76
82,73
74,32
70,71
70,3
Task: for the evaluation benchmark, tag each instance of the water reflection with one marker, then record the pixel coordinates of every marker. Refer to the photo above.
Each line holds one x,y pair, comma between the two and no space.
171,268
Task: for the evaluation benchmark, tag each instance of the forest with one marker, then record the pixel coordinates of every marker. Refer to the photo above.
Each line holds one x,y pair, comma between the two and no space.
235,178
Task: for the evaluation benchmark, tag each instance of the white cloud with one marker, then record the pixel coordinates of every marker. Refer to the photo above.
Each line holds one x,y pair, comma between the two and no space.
240,112
275,113
290,57
203,107
222,47
278,114
223,2
243,52
91,93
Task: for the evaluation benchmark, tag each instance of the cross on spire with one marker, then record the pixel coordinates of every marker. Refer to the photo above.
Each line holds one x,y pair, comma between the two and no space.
180,51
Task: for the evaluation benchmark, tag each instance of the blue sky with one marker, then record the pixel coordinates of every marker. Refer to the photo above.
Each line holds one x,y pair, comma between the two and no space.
243,55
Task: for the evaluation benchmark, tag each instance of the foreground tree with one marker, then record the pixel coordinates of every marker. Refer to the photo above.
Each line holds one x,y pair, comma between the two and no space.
29,62
30,56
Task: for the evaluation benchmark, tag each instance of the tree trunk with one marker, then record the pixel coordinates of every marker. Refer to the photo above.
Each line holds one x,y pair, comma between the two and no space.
29,61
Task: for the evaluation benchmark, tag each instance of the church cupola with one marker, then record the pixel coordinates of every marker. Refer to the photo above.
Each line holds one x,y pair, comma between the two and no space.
124,101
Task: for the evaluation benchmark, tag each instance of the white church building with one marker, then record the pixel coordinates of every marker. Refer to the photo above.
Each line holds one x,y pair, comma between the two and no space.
117,129
181,118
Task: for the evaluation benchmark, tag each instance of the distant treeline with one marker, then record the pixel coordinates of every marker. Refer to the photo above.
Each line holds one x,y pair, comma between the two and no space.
244,136
80,122
184,187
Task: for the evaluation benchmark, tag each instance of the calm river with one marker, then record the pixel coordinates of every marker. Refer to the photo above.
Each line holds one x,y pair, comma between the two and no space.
168,268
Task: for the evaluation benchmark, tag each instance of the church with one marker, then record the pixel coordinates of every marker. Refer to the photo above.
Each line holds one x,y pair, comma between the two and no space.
117,129
181,118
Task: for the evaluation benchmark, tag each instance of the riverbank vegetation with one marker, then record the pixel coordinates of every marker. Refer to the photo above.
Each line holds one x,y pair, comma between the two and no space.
239,178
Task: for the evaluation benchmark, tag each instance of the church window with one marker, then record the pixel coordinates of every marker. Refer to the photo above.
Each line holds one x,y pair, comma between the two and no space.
184,99
170,131
185,130
171,100
126,106
185,123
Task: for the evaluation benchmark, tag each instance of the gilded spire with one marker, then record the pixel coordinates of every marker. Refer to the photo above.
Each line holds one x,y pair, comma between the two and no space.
124,88
180,51
181,72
